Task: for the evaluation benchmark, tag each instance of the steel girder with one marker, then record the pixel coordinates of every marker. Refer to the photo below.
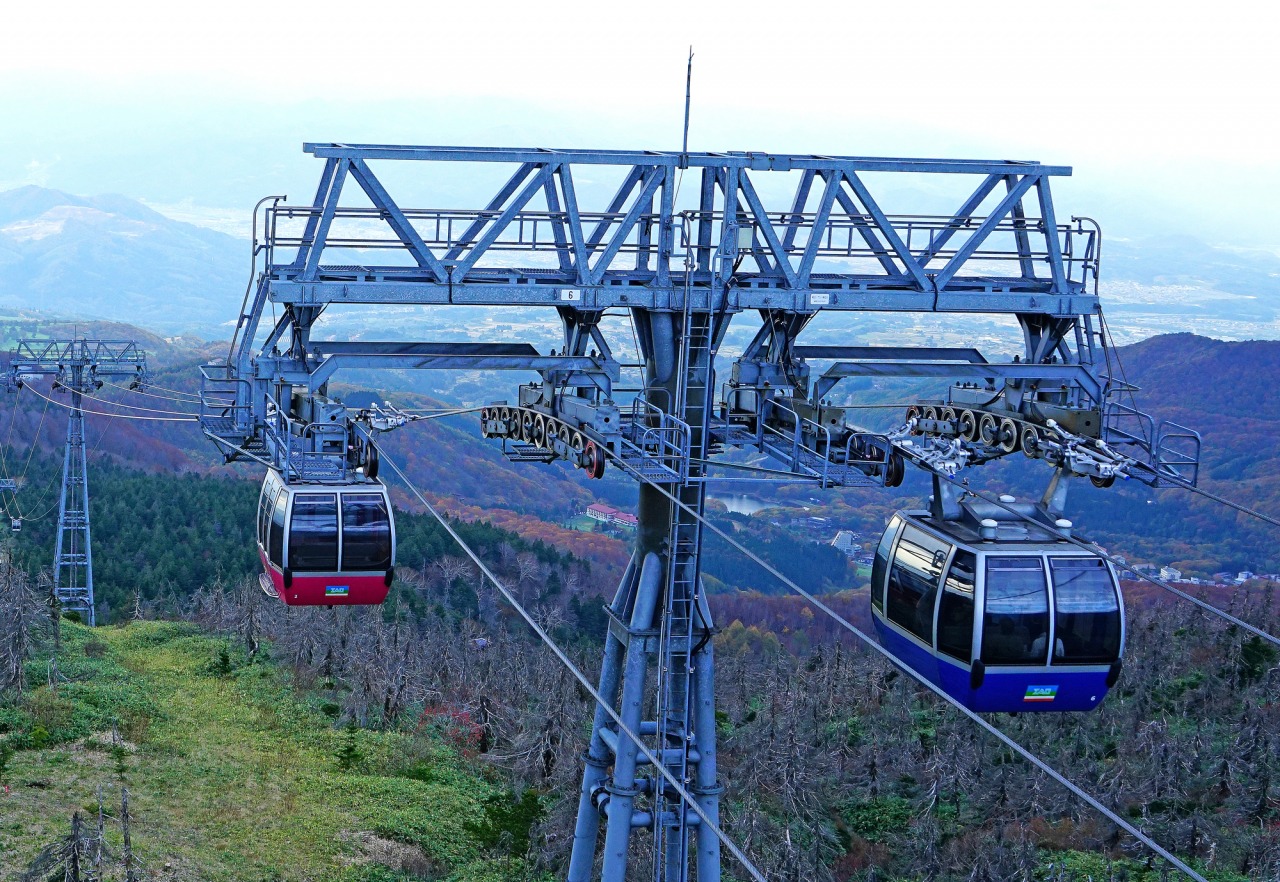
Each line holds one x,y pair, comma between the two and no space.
805,233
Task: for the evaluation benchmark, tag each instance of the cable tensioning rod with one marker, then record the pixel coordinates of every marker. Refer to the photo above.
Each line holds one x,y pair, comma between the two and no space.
432,415
119,415
707,823
988,727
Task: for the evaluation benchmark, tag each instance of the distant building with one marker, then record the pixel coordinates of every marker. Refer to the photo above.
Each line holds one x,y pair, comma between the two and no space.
1243,577
607,515
1169,574
602,513
844,541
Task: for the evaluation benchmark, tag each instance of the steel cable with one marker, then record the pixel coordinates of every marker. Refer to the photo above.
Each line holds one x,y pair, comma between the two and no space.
869,641
54,479
115,402
573,669
1208,494
153,419
35,439
8,443
190,399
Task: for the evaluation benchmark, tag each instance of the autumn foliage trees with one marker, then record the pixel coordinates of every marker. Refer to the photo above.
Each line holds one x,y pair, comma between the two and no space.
839,766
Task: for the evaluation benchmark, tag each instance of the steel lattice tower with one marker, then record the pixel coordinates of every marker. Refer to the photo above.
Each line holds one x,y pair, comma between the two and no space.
79,367
73,554
769,238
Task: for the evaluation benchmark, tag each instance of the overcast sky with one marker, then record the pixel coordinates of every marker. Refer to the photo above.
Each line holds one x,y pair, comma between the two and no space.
1166,115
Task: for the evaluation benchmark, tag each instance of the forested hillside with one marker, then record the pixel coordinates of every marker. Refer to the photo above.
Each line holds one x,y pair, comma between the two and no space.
839,767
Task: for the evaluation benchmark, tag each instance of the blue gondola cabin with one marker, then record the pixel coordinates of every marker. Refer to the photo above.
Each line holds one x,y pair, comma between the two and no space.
1001,614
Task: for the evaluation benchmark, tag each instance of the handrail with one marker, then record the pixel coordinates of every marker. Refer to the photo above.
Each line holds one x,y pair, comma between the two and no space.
535,230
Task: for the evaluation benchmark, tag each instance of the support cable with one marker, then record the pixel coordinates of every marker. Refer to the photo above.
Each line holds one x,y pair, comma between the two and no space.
117,403
54,479
8,443
191,399
1208,494
153,419
677,785
35,439
1095,550
745,467
875,645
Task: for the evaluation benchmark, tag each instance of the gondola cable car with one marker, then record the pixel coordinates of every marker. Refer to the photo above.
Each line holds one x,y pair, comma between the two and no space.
326,544
1001,613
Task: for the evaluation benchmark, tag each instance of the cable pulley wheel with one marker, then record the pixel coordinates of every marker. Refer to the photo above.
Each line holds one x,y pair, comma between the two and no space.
370,461
1100,482
1030,441
564,433
968,425
540,431
987,427
947,415
526,426
913,413
1007,435
895,470
929,413
593,458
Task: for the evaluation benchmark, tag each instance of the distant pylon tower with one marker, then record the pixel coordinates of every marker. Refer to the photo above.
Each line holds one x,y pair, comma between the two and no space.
79,367
73,554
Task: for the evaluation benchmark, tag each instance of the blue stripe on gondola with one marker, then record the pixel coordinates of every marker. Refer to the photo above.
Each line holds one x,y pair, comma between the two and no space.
1023,689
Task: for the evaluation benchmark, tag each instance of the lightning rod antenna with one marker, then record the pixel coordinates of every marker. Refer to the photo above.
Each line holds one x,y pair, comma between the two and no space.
688,84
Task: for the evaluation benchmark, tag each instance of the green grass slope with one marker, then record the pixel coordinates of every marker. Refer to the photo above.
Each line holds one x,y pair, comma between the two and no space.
233,773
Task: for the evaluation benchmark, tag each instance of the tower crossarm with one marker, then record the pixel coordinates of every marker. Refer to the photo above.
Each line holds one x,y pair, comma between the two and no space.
77,360
602,229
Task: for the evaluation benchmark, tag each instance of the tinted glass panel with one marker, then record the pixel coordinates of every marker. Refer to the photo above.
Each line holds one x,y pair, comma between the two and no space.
264,513
955,609
313,532
366,532
881,563
913,582
1015,629
275,544
1087,611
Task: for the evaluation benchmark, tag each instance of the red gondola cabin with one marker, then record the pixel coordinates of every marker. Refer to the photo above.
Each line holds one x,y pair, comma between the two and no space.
325,544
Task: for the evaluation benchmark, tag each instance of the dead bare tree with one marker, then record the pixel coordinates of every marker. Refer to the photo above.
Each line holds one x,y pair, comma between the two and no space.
70,856
19,621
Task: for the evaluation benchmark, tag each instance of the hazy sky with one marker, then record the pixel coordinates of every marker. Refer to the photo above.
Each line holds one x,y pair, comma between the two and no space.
1166,111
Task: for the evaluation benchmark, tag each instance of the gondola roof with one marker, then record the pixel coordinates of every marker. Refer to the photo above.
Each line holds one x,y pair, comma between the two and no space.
1026,525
